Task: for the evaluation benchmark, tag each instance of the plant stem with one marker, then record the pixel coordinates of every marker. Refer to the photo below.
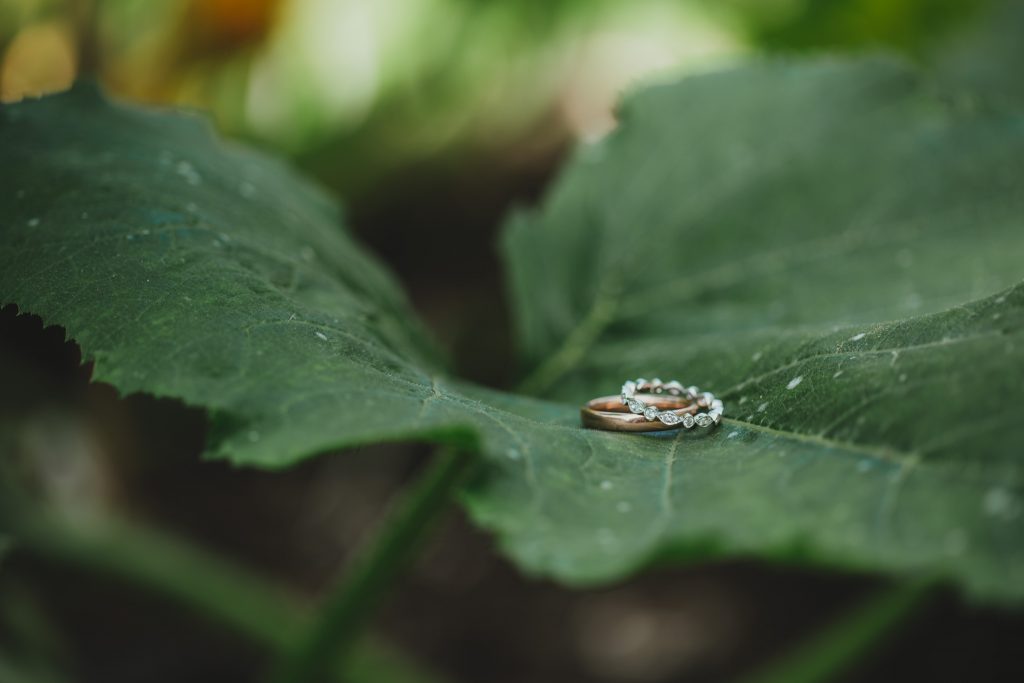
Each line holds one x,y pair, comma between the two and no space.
352,602
208,585
842,643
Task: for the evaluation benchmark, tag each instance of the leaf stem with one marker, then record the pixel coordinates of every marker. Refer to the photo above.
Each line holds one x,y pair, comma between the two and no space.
575,346
842,643
208,585
351,604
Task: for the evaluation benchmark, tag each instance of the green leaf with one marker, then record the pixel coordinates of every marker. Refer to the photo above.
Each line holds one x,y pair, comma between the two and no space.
740,230
189,268
784,196
745,232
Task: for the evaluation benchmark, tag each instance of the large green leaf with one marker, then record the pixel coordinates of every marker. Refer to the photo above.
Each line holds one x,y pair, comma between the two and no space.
187,269
779,197
745,232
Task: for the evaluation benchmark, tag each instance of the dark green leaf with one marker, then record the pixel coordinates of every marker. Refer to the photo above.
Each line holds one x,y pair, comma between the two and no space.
745,232
187,268
741,230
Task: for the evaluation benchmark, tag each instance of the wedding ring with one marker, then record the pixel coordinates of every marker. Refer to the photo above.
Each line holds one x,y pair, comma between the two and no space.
653,405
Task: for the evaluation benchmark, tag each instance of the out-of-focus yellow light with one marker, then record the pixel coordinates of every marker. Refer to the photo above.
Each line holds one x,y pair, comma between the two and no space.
41,59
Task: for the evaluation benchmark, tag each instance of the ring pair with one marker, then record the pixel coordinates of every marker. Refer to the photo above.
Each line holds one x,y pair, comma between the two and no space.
651,406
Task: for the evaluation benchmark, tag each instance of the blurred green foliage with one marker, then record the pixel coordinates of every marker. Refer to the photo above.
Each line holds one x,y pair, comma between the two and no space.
360,89
906,25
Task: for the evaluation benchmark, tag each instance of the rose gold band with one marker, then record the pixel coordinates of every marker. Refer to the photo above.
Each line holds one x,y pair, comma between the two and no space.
609,413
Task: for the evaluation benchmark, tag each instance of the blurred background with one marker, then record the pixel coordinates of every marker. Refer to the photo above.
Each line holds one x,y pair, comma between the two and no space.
431,119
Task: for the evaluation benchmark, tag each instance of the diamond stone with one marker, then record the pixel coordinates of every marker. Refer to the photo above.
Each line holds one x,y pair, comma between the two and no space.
687,420
635,405
670,418
650,412
703,419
